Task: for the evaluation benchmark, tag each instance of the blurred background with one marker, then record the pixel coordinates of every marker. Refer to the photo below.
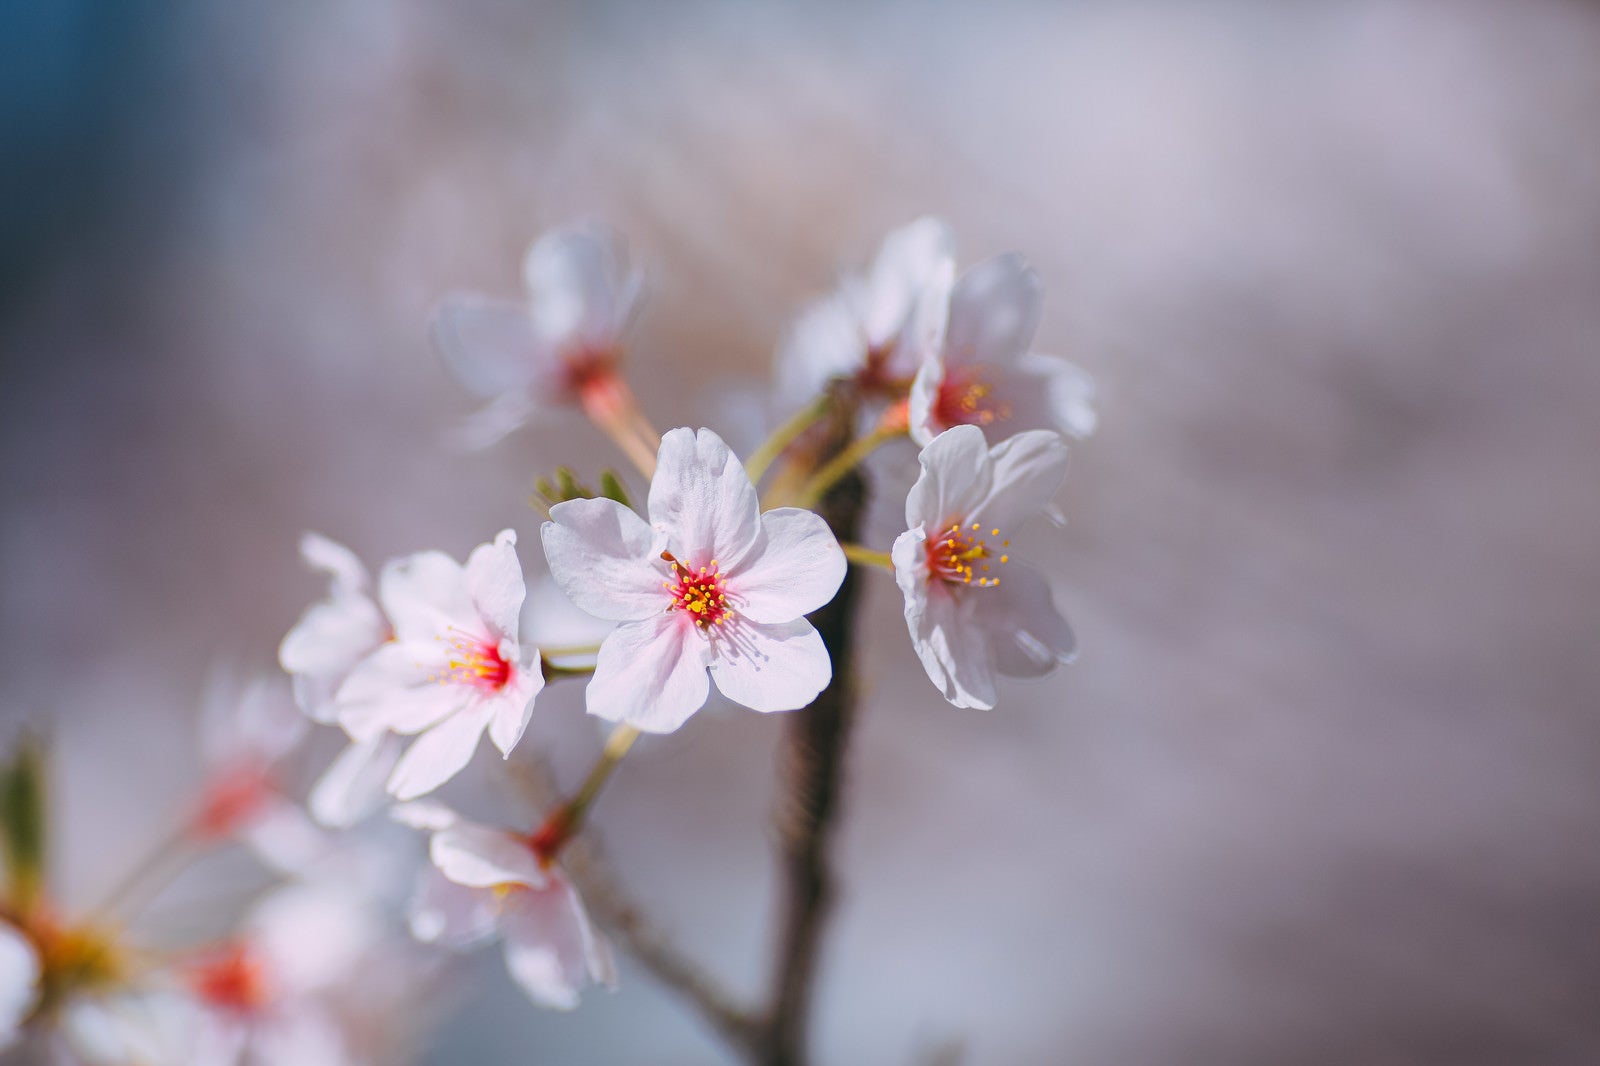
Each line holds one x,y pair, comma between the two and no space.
1323,787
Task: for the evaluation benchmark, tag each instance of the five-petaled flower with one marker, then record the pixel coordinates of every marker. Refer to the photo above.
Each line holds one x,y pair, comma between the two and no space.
561,348
971,611
488,881
455,667
976,369
859,331
709,585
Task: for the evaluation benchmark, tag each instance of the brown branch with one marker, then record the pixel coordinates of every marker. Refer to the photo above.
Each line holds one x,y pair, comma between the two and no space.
812,772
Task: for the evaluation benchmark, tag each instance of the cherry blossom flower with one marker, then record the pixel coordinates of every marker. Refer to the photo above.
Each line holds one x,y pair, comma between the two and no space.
561,348
709,586
19,982
246,732
858,331
976,367
320,651
489,882
454,669
972,612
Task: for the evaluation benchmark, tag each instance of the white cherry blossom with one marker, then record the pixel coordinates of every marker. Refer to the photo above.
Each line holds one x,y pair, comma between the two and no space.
489,882
19,982
454,669
708,590
859,329
560,348
971,610
331,637
974,339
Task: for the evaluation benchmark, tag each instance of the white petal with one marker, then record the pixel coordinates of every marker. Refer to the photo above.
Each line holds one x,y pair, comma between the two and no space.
771,667
549,945
312,936
443,912
1068,392
426,595
352,787
994,312
494,581
396,688
481,857
826,341
332,636
424,814
347,574
437,755
492,347
1026,634
956,477
492,423
702,499
923,402
924,341
579,285
909,258
795,567
283,837
1027,472
511,709
605,558
651,674
951,647
19,980
256,720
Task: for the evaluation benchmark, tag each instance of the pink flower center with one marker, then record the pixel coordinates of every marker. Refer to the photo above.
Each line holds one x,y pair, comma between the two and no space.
698,593
966,399
476,662
961,556
233,980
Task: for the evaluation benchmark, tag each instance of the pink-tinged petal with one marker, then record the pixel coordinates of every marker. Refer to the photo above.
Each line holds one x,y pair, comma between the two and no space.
332,636
795,568
956,477
924,341
424,814
953,648
481,857
426,595
347,575
312,936
910,257
994,312
550,946
771,667
579,285
352,786
492,346
702,500
492,423
1066,392
396,688
605,558
255,721
437,755
455,916
284,838
910,557
651,674
19,981
826,341
306,1036
1027,636
511,709
922,405
1027,472
494,581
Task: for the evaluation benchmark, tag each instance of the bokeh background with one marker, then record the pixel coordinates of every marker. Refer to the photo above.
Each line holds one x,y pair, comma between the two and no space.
1324,786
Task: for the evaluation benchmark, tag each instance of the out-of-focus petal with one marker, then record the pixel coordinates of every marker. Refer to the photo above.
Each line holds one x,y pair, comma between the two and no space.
601,555
454,916
437,755
425,594
994,312
795,567
481,857
580,289
825,341
396,688
549,945
1027,635
702,499
910,257
491,346
650,674
772,667
352,786
19,981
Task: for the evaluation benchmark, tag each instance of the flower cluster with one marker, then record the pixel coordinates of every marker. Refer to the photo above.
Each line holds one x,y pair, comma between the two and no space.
708,585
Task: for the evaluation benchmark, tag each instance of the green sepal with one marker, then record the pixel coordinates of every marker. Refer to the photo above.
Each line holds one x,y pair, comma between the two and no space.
23,796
